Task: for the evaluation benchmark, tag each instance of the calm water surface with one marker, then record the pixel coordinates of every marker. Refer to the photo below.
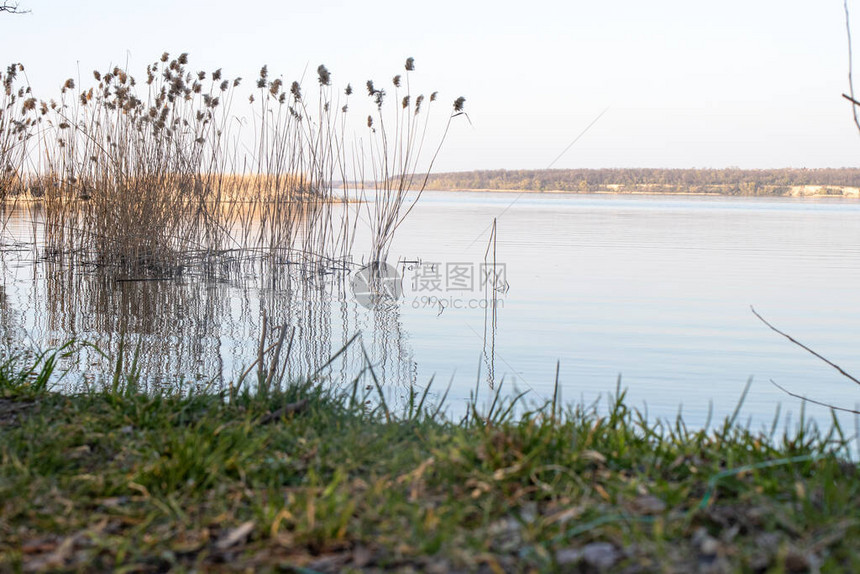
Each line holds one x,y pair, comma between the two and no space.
656,290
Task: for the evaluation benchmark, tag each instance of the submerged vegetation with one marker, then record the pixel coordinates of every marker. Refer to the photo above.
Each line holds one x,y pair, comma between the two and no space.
148,176
299,476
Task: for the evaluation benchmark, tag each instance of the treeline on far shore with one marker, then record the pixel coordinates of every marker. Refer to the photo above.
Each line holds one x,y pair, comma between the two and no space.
729,181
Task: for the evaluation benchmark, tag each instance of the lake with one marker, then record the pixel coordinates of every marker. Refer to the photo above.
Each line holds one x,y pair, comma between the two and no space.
653,289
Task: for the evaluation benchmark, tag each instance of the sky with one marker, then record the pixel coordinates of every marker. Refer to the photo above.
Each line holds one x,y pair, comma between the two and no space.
684,83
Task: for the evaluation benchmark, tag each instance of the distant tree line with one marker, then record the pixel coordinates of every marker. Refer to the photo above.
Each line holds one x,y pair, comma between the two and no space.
730,181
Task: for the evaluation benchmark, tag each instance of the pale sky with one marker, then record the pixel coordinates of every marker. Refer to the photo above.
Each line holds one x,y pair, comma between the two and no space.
745,83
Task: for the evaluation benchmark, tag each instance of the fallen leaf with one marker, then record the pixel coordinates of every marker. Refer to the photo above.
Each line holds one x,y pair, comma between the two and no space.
235,536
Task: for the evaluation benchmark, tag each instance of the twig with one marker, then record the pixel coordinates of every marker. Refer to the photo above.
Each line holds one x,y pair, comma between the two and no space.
12,8
850,99
804,347
813,401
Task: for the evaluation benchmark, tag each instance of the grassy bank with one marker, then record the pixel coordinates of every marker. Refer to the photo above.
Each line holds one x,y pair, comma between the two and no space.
310,479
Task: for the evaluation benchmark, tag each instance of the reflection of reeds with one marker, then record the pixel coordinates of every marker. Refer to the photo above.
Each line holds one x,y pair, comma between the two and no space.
491,318
138,176
193,332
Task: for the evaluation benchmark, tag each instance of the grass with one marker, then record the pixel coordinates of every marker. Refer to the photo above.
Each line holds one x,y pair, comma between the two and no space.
306,478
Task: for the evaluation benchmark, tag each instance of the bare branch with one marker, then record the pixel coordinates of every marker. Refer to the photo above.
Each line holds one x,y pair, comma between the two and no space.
805,348
12,8
850,99
850,68
813,401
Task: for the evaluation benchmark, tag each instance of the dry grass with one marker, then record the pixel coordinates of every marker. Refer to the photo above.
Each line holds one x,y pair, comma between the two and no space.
136,176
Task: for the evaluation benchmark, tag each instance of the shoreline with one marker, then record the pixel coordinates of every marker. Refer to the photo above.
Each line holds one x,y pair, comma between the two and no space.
12,202
652,193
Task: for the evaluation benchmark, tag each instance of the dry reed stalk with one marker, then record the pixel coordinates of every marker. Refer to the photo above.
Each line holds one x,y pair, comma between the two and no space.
19,119
146,179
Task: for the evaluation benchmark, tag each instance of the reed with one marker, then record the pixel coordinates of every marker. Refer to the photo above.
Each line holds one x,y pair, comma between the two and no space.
134,172
18,121
397,139
145,178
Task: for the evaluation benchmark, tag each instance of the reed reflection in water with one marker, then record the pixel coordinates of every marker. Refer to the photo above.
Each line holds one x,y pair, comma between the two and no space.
199,329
